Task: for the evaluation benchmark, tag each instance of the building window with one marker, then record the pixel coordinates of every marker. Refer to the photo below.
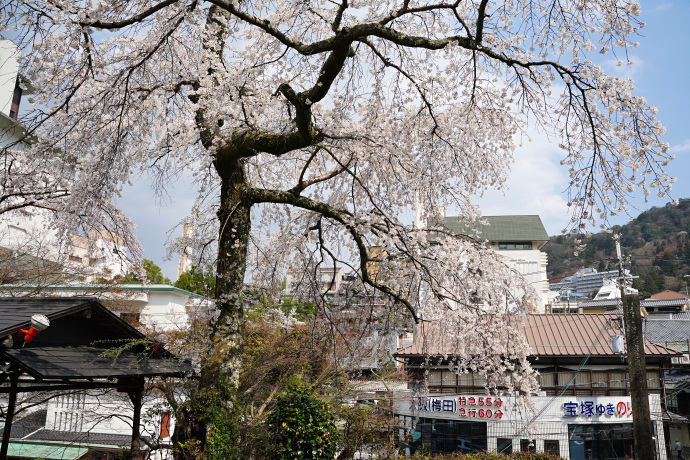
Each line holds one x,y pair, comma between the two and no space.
130,318
611,440
527,445
505,445
514,246
95,260
74,258
438,436
551,446
165,425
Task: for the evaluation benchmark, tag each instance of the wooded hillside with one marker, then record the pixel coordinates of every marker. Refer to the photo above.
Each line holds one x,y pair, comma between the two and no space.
656,246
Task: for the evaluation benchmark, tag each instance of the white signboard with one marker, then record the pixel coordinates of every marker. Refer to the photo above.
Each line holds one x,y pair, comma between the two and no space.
573,409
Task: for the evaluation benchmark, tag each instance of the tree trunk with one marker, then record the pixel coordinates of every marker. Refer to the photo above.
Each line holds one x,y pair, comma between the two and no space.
642,422
214,406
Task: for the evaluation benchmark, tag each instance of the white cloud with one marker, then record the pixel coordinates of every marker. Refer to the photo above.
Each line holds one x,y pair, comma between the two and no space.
624,70
680,148
535,186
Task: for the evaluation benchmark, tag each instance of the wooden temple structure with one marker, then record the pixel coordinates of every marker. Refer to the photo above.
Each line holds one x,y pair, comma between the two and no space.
75,343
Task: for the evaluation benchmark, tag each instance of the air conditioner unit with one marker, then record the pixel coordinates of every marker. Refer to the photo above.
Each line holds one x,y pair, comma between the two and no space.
685,359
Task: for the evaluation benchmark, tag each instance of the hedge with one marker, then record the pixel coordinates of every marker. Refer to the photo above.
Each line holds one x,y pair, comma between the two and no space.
487,456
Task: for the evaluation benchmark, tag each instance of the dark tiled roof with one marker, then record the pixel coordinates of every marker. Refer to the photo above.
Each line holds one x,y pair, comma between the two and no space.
576,335
66,349
669,302
646,303
15,313
26,425
499,228
92,362
666,330
600,303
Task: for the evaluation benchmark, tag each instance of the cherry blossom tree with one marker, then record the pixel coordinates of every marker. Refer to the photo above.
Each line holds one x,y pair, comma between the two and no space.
312,127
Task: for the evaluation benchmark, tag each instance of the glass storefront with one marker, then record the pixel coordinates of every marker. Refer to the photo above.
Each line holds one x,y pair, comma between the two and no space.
437,436
611,441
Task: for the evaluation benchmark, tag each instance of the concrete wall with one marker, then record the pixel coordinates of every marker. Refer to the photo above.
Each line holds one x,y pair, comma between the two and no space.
9,68
531,264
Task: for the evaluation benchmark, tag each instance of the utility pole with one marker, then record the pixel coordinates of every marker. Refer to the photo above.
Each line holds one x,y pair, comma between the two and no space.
637,367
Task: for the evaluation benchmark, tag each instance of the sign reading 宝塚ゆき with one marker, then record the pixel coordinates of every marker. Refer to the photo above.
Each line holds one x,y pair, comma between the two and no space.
590,408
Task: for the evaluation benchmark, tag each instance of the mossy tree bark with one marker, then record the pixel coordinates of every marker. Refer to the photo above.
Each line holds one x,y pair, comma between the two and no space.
637,368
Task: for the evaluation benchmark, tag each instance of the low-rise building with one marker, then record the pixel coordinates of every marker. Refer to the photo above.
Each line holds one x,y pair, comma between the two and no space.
582,410
92,368
610,302
158,307
327,283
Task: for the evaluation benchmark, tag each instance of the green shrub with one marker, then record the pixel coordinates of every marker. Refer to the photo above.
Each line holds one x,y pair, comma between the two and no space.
302,426
485,456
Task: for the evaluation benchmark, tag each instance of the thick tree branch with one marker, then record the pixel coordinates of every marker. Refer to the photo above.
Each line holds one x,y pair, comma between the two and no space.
339,16
481,15
256,195
130,20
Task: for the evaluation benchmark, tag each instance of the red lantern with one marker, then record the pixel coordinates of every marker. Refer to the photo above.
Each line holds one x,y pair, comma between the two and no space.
158,342
38,324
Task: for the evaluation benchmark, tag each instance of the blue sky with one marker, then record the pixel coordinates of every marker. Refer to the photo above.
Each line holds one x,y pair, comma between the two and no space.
661,73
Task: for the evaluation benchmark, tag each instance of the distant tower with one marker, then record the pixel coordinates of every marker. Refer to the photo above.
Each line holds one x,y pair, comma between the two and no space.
185,261
421,214
419,219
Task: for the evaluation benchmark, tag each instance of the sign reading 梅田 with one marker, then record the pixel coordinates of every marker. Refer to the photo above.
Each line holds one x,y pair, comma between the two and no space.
481,407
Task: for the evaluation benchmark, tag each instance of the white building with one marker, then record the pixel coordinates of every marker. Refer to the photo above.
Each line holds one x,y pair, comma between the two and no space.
518,238
26,235
584,282
101,422
556,425
12,84
328,283
157,307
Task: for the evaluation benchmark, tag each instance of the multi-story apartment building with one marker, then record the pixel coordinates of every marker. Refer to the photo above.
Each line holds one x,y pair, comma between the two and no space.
518,238
583,283
327,283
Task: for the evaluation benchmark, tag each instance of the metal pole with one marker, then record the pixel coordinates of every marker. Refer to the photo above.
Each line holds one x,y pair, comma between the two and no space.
136,397
9,416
